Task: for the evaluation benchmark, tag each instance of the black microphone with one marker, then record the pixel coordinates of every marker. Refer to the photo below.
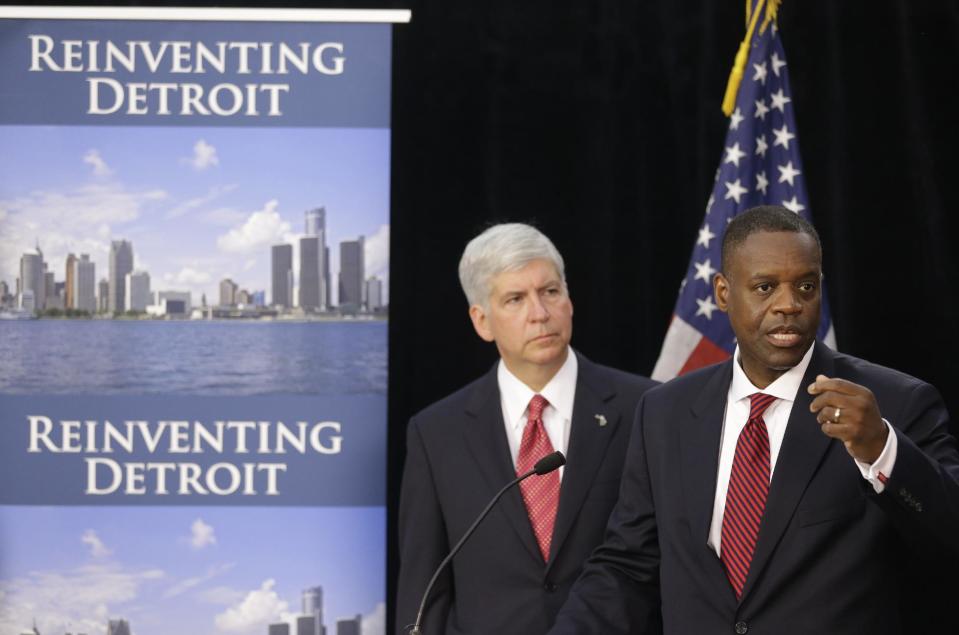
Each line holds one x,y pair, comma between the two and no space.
544,466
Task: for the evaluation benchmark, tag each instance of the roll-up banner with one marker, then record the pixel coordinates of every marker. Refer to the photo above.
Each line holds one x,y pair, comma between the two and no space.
194,286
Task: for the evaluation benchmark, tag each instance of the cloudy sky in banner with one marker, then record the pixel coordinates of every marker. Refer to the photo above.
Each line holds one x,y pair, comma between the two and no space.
188,569
198,204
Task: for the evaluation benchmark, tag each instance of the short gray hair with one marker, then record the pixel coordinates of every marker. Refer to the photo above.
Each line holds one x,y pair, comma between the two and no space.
505,247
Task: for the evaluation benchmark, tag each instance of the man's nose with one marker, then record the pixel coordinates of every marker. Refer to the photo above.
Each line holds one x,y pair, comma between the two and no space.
787,301
537,310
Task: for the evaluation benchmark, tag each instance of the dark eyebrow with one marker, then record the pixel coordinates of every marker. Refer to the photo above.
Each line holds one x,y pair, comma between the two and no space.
812,273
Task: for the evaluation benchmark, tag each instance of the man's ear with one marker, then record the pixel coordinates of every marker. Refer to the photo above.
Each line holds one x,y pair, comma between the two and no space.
480,322
721,291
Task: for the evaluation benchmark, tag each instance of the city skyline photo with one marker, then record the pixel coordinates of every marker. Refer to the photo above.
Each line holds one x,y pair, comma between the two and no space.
203,571
205,205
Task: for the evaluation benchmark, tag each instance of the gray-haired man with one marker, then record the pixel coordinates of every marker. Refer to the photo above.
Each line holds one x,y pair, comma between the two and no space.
541,396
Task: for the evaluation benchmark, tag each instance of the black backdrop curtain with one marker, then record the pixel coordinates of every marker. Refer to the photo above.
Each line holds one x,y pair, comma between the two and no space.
601,124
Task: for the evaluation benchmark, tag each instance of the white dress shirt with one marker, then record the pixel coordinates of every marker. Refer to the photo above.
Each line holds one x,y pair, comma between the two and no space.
559,392
785,389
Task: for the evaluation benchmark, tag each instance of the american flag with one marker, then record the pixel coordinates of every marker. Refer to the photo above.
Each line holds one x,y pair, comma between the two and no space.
760,166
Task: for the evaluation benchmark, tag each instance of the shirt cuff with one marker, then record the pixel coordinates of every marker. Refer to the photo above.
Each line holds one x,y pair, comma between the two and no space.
879,471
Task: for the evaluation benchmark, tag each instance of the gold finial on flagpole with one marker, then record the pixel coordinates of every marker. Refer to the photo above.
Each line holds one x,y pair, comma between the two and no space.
772,11
736,74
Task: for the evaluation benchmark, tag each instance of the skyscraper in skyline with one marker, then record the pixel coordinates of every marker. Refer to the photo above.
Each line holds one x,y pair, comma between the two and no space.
71,302
50,289
103,295
316,221
118,627
315,288
136,291
27,300
350,626
326,273
313,606
121,263
280,628
281,274
306,625
312,290
32,278
351,274
374,293
228,290
83,291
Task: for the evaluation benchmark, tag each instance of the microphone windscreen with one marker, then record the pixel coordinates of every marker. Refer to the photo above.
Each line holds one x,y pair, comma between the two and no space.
549,463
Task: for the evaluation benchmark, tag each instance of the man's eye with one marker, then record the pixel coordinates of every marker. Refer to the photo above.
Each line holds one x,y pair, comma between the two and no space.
765,287
552,291
807,287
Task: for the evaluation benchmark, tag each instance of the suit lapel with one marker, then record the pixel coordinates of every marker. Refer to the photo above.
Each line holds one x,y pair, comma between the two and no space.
802,451
587,447
486,438
699,445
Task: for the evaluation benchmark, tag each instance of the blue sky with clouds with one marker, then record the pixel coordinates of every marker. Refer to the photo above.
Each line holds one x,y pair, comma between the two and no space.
202,571
199,204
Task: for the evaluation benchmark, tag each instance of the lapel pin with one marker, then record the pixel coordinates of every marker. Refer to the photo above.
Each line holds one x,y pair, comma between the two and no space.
601,420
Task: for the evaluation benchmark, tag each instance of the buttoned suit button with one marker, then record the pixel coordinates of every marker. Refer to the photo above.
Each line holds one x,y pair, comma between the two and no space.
549,586
742,628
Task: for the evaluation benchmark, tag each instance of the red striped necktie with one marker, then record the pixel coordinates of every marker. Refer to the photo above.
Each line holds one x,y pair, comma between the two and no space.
746,496
540,493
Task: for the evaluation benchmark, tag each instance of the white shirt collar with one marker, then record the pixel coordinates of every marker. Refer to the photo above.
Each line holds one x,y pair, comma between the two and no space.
559,392
785,387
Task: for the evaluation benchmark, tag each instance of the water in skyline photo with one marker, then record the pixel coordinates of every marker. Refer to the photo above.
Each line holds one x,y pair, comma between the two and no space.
229,358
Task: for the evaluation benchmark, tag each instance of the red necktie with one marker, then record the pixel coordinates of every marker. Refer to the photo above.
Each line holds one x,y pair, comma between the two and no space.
746,497
540,492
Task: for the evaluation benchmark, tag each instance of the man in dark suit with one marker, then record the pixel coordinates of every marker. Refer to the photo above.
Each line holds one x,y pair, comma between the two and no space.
784,491
541,396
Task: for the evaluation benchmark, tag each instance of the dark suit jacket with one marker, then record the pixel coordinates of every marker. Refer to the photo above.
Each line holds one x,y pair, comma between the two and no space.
831,552
457,458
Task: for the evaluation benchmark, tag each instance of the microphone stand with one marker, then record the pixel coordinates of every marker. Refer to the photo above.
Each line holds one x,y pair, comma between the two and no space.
537,469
